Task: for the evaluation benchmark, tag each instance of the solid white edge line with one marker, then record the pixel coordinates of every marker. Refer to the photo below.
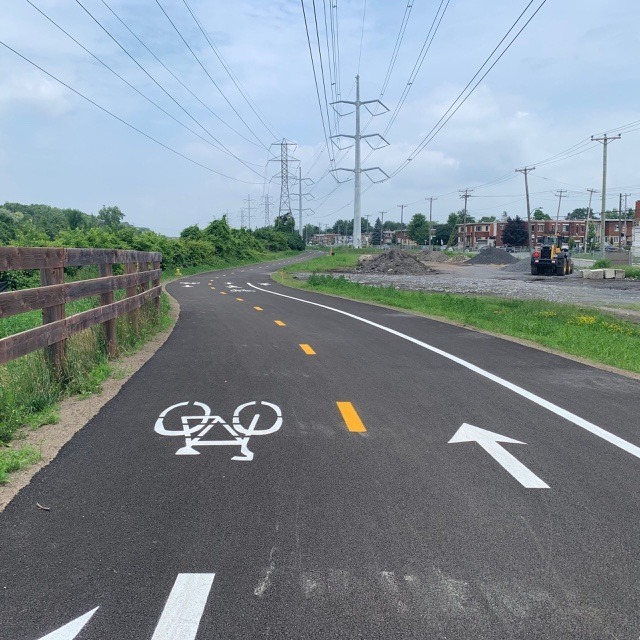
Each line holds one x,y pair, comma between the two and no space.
554,408
184,608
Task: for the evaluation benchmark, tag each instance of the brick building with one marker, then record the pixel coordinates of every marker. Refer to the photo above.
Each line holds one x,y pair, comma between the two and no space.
478,235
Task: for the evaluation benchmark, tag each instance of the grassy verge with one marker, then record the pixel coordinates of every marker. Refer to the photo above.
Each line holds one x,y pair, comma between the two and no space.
222,263
584,332
29,393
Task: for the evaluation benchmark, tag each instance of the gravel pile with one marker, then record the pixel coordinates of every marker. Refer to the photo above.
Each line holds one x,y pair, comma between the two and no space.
492,255
393,262
522,266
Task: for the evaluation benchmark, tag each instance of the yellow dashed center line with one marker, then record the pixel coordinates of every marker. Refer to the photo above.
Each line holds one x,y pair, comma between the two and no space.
280,323
258,308
351,417
223,293
240,299
307,349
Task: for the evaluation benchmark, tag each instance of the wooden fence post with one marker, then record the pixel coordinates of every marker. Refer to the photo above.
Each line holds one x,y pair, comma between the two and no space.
109,325
156,282
132,267
56,354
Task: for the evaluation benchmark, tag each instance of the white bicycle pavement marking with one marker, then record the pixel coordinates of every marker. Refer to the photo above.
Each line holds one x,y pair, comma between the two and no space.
205,422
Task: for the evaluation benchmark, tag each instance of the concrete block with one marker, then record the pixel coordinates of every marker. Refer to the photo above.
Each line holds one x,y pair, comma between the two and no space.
619,274
609,274
594,274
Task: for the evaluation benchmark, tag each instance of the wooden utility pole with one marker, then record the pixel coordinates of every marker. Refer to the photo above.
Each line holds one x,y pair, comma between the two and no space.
586,226
431,199
605,141
560,193
466,194
526,171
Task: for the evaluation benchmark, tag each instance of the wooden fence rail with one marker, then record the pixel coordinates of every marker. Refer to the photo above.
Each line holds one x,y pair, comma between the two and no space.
141,283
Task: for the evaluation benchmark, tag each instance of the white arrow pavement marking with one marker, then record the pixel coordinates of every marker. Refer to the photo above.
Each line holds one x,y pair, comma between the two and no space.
489,442
71,630
554,408
181,615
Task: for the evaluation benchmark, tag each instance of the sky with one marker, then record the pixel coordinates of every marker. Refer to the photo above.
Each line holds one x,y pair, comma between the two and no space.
196,131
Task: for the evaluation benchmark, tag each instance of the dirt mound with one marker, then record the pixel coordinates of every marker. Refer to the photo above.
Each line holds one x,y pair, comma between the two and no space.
440,256
396,262
522,266
432,256
492,255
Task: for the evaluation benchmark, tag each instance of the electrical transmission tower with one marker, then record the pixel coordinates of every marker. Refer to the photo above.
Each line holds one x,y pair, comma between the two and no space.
248,201
285,159
267,201
358,170
302,181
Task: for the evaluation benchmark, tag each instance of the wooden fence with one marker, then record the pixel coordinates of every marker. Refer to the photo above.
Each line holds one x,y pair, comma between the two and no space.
141,282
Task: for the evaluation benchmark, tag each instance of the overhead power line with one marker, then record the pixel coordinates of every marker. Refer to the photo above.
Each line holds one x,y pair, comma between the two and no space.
315,79
161,87
143,95
452,110
227,68
396,47
175,77
119,119
215,84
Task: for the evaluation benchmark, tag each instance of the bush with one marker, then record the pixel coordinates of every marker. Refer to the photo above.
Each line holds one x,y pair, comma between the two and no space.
602,264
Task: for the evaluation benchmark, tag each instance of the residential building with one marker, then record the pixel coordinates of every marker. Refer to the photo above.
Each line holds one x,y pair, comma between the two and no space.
635,246
403,240
478,235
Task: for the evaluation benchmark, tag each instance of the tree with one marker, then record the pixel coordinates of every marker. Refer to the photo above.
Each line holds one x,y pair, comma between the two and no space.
515,232
390,225
75,219
539,214
343,227
310,230
376,236
7,227
487,219
579,214
591,237
285,223
191,233
418,229
111,217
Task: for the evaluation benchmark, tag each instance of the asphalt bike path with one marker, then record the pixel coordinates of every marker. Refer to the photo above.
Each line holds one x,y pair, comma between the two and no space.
182,510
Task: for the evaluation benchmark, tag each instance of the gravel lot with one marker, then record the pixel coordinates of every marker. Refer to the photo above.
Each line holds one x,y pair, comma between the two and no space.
492,280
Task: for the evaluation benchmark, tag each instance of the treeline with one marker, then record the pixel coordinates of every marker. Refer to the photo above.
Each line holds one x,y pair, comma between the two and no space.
42,225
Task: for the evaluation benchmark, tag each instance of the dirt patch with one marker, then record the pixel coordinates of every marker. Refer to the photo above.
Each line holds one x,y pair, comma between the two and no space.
393,262
76,412
491,255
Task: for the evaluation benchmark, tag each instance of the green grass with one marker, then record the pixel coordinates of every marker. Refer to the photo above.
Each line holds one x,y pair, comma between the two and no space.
15,459
342,259
583,332
222,263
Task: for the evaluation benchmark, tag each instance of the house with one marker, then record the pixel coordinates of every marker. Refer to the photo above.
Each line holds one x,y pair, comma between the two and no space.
477,235
404,240
635,245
